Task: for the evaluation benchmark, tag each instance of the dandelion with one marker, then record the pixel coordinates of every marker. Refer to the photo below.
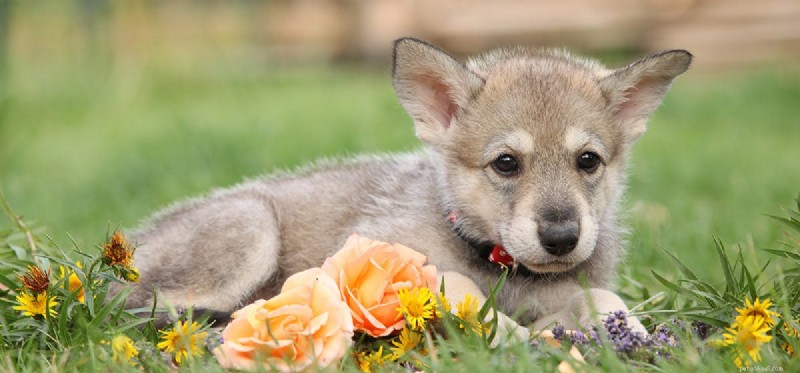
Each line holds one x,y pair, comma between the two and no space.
36,304
405,342
376,359
416,305
442,306
789,331
467,311
748,337
123,349
757,308
183,341
73,283
35,279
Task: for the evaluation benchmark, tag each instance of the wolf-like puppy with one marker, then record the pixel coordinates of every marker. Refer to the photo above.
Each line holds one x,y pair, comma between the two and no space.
526,149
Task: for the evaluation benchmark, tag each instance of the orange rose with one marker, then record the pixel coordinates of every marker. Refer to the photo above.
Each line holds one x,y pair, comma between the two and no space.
369,273
307,323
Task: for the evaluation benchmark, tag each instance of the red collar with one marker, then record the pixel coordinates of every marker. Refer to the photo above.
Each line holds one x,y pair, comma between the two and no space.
498,253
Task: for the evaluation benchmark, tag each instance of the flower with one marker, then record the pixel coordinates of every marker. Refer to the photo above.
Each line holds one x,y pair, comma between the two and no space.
467,311
123,349
183,340
375,359
36,304
73,283
789,331
130,274
405,342
416,305
307,323
35,279
747,337
757,308
442,306
369,274
117,252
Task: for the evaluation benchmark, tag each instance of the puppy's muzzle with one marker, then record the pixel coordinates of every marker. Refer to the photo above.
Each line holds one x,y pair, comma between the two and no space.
559,231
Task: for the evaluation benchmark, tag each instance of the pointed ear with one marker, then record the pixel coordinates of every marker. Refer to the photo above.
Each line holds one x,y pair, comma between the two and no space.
635,91
432,87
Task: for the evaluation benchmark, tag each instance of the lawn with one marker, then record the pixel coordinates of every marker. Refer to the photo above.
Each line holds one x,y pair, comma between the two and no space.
87,146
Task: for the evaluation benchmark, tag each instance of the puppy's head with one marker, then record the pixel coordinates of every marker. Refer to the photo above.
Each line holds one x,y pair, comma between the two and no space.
530,146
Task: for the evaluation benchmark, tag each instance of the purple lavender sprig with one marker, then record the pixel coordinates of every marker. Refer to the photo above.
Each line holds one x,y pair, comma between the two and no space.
627,342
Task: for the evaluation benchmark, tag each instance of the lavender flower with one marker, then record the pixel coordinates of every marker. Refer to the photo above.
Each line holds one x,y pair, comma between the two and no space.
558,332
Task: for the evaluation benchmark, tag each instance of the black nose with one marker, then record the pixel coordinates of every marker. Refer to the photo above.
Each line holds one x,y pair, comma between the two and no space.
559,238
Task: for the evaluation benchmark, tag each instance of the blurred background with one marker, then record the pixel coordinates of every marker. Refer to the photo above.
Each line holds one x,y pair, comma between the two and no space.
110,110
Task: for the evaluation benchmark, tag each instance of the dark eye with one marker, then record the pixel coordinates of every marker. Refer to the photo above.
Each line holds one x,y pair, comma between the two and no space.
589,162
506,165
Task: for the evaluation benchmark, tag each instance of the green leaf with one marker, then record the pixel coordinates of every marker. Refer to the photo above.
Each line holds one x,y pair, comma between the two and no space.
730,280
681,266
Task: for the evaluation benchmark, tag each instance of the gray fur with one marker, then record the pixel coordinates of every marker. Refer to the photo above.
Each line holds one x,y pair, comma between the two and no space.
227,249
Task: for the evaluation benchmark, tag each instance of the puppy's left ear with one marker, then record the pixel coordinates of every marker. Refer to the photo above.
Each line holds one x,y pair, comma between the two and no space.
635,91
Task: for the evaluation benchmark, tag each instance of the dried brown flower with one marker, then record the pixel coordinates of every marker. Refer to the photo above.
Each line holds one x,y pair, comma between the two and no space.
35,279
117,252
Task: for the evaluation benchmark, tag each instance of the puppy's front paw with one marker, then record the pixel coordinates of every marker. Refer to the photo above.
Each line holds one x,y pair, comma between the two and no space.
509,330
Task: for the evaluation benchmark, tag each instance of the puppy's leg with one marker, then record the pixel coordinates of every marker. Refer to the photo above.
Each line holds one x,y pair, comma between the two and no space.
209,254
457,286
588,307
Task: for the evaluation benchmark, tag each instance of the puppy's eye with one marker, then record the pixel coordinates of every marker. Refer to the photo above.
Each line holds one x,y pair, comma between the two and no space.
589,162
506,165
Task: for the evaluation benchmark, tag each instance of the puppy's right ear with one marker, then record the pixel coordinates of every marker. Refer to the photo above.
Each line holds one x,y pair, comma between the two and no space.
432,87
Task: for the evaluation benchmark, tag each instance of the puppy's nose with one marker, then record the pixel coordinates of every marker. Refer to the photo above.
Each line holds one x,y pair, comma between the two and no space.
559,238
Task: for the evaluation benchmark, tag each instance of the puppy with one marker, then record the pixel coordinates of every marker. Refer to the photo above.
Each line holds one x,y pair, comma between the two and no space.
523,166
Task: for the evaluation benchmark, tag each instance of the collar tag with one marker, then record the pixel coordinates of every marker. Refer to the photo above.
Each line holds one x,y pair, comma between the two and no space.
500,256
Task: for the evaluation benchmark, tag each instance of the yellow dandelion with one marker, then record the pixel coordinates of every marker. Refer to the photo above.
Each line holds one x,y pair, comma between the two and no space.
756,308
405,342
467,310
416,305
123,349
376,359
117,252
183,341
747,339
73,283
35,279
789,331
131,274
38,304
442,306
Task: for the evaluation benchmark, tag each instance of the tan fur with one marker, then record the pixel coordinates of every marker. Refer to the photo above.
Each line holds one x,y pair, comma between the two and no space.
545,108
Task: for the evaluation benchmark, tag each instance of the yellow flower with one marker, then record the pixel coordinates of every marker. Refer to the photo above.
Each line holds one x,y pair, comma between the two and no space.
757,308
123,349
35,279
183,341
405,342
467,310
374,360
73,282
442,305
39,304
131,274
416,305
789,331
747,339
